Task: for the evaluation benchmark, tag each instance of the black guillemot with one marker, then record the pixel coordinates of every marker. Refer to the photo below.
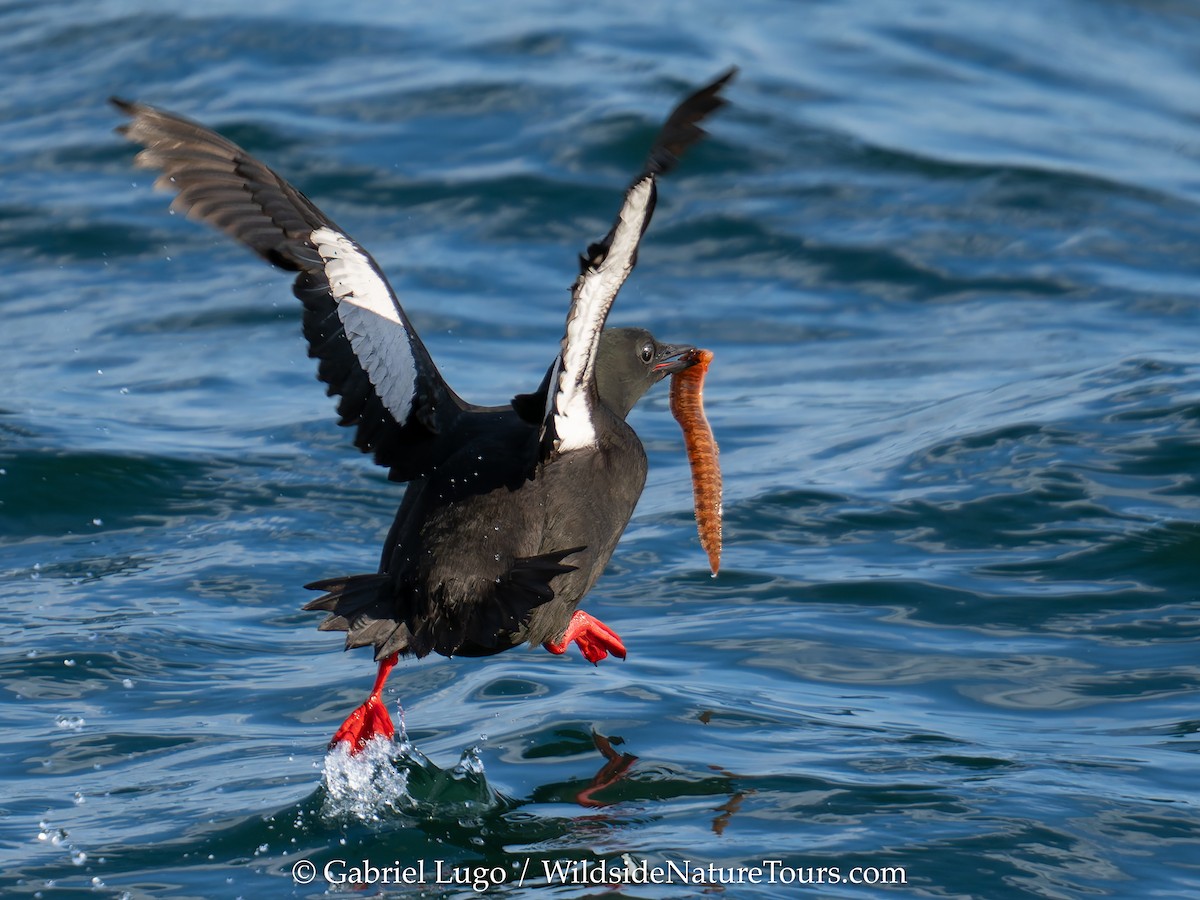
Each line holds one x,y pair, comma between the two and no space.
511,512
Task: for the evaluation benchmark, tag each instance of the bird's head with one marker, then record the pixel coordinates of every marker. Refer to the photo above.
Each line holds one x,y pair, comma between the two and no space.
629,361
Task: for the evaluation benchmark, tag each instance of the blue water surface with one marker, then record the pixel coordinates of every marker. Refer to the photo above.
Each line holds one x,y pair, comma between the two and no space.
947,255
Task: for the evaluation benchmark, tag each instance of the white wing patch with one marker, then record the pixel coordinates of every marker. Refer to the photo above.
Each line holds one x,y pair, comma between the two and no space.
378,331
573,401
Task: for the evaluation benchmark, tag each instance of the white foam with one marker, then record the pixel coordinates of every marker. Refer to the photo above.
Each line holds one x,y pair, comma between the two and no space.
391,779
367,787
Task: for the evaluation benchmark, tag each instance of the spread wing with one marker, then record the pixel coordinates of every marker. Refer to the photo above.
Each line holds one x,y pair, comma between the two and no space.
572,405
571,399
369,353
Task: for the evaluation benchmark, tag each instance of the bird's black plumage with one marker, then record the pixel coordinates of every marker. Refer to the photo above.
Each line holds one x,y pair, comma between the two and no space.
511,512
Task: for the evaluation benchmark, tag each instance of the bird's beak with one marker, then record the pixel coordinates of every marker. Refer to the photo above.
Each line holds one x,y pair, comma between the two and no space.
674,358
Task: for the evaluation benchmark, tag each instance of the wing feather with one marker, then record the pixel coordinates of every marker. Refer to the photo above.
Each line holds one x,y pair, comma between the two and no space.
571,400
370,354
574,399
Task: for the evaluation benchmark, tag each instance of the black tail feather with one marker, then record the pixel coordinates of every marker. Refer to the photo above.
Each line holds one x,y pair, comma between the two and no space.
526,587
366,607
363,606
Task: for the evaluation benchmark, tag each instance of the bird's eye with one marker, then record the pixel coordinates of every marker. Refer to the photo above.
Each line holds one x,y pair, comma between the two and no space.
647,352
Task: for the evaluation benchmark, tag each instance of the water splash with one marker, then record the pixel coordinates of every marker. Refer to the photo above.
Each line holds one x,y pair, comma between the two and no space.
47,832
58,837
368,787
393,780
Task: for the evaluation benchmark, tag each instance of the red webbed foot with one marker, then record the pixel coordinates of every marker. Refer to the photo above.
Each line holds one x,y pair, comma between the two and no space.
595,639
368,721
371,719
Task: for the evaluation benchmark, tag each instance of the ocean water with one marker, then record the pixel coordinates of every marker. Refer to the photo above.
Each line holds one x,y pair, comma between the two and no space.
947,255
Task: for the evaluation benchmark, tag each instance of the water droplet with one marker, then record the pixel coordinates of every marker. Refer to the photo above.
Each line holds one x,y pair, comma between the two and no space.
78,857
69,663
79,799
365,786
127,683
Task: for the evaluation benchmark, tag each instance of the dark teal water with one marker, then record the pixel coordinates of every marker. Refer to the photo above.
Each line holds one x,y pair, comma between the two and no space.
948,258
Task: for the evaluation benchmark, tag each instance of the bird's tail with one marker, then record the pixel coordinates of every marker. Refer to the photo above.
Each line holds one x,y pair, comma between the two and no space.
374,611
363,606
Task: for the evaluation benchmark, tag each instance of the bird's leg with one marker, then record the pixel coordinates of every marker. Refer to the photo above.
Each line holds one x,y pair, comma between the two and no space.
595,639
370,719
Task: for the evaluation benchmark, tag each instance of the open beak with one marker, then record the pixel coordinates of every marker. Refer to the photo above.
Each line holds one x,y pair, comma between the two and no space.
674,358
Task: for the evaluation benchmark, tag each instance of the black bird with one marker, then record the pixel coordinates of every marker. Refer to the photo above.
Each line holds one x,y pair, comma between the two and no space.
511,512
